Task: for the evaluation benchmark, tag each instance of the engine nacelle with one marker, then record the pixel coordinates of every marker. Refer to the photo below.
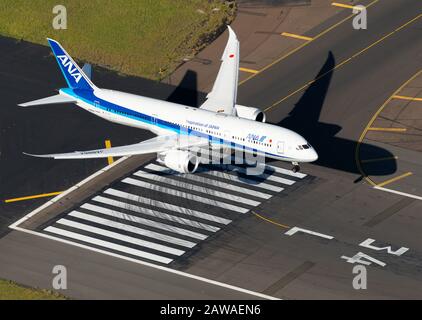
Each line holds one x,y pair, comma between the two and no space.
180,161
250,113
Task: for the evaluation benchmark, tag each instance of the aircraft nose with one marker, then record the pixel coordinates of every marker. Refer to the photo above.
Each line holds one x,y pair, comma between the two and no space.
313,155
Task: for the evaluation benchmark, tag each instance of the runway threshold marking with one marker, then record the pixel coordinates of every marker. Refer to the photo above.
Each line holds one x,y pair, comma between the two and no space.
379,159
406,98
344,62
346,6
296,36
107,143
322,33
271,221
249,70
404,175
371,121
388,129
36,196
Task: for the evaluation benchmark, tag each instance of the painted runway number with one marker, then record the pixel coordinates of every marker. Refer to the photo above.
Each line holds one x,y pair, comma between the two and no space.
367,260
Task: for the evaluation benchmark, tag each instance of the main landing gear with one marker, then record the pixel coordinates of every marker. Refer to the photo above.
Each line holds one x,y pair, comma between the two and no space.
296,167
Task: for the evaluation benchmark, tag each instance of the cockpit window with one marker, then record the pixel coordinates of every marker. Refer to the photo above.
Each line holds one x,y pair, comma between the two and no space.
304,146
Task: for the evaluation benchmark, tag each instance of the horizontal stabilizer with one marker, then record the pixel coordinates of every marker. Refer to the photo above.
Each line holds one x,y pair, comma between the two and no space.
50,100
87,69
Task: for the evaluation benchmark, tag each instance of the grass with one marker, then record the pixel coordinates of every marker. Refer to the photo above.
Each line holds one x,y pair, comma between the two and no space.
147,38
12,291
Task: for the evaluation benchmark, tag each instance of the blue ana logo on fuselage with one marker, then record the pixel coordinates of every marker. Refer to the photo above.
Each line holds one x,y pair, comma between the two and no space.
256,137
73,71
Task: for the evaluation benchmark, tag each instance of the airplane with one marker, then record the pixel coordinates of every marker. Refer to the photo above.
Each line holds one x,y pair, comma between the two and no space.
218,123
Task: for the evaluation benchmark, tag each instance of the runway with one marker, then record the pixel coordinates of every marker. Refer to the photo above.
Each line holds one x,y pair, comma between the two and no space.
291,237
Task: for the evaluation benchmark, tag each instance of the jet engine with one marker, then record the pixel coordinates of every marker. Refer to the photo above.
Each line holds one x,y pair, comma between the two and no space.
250,113
180,161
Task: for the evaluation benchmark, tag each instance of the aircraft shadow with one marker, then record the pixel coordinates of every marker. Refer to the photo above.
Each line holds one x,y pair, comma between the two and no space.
334,152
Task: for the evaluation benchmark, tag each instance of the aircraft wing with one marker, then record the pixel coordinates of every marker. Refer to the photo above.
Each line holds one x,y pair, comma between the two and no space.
222,97
154,145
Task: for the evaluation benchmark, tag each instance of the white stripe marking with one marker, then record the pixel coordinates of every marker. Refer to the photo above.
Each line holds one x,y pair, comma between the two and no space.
286,172
118,236
249,182
220,184
399,193
154,224
200,189
130,228
156,214
184,195
108,245
168,206
265,176
294,230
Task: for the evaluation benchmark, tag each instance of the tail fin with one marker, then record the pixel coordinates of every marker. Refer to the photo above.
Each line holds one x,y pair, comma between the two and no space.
75,77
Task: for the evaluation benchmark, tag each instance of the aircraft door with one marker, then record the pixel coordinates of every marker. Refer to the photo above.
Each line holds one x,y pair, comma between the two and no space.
280,147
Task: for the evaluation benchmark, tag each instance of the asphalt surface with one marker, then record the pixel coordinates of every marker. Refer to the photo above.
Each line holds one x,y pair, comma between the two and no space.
357,71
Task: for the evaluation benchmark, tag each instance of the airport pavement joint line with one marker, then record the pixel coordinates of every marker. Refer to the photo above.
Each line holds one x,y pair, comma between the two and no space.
371,121
344,62
304,44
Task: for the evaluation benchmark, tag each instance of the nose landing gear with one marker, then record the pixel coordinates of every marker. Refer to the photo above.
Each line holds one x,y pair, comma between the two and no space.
296,167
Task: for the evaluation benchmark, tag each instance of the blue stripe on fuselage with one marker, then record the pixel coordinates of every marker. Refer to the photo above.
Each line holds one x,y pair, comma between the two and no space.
88,96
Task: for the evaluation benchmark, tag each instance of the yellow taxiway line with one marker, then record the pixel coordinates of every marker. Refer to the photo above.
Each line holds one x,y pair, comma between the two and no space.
296,36
347,6
108,146
379,159
322,33
404,175
344,62
407,98
270,221
249,70
387,129
42,195
374,117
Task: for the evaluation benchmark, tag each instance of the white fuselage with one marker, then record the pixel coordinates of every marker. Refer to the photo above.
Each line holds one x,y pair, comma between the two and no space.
162,117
